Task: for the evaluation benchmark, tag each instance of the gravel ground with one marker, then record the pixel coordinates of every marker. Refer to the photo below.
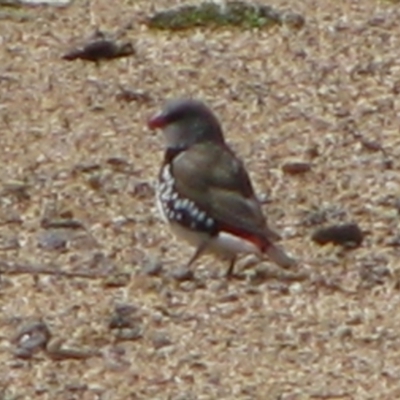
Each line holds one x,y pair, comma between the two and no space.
95,303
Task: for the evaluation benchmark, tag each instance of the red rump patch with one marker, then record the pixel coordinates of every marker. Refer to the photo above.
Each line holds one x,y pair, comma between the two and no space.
261,242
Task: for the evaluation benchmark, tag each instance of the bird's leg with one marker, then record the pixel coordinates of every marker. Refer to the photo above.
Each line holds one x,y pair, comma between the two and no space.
229,272
198,252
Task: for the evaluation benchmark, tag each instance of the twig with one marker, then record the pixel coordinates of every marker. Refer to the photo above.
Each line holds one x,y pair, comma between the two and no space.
17,269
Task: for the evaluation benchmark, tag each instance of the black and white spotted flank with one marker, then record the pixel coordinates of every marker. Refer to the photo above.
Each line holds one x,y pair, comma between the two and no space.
183,211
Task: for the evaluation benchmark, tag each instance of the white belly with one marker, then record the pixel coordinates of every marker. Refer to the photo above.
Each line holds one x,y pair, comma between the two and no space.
224,244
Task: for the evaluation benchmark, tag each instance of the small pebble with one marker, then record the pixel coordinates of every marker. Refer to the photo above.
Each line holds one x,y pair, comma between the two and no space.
76,387
343,332
160,339
296,288
30,338
56,3
116,280
188,286
129,333
9,243
296,167
152,267
293,20
124,316
356,319
374,273
19,189
86,167
349,235
99,47
96,181
182,274
56,351
229,297
377,20
142,190
53,239
118,162
59,223
131,95
126,323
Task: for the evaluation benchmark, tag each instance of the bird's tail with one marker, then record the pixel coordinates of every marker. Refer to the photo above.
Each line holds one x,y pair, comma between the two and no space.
278,255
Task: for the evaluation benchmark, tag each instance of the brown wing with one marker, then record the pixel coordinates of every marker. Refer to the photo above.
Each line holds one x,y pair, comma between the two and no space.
217,181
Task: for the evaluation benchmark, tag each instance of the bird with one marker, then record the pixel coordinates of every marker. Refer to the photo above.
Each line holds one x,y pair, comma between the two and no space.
99,47
204,191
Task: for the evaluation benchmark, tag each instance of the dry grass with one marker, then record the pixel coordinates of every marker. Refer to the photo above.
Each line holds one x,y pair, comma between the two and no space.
281,95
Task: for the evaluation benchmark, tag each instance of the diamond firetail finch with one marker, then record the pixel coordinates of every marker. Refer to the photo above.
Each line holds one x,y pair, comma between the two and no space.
204,191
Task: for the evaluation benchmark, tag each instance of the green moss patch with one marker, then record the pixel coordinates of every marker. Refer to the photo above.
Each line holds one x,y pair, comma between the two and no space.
233,13
14,14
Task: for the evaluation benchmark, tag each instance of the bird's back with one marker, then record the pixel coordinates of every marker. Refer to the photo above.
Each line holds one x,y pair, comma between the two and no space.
216,180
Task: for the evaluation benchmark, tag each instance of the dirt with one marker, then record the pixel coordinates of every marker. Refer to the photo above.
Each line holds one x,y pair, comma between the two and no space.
85,256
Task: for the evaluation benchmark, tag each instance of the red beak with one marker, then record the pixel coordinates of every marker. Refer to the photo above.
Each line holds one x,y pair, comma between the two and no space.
157,121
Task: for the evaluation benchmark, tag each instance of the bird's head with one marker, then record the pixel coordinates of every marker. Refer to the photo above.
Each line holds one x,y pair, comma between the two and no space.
186,122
